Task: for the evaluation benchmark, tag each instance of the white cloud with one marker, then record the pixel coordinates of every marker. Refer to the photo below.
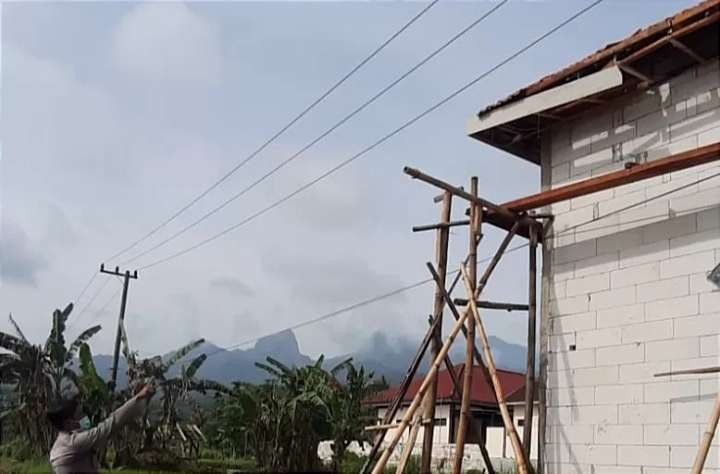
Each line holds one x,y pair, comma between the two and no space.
167,41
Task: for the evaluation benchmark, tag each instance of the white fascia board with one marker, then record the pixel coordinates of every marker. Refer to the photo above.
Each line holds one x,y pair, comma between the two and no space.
578,89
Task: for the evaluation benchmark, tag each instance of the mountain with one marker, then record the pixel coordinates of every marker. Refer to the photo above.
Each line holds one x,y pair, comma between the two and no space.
380,355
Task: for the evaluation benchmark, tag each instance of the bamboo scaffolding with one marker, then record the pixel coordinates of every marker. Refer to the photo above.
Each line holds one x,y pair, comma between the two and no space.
707,438
441,254
380,466
465,416
521,460
407,452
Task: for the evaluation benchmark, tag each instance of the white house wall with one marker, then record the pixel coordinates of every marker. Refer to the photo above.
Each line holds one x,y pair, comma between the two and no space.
628,295
440,434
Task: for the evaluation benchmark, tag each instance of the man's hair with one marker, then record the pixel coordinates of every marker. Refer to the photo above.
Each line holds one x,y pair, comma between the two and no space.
64,410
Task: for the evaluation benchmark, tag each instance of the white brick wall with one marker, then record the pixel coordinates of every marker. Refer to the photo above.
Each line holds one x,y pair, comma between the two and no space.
630,297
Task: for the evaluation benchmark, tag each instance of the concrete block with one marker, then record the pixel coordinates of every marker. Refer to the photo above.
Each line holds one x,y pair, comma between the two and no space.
612,298
643,414
708,137
560,379
710,302
708,219
691,411
692,126
598,338
643,332
645,456
687,264
559,416
695,243
647,253
590,199
644,215
616,242
561,342
573,323
619,394
562,272
595,415
642,104
675,227
572,253
617,470
672,308
566,434
571,396
592,161
709,388
624,354
662,390
673,349
572,219
595,265
683,456
557,290
572,305
668,288
621,202
691,204
634,275
701,82
592,454
618,434
594,376
643,372
571,360
673,435
560,174
697,363
588,284
703,325
709,345
621,316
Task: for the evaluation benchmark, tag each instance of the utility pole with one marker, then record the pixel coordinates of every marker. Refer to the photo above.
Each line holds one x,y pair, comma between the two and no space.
121,318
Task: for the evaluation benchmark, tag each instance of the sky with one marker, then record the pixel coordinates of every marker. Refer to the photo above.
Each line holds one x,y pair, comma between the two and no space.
115,115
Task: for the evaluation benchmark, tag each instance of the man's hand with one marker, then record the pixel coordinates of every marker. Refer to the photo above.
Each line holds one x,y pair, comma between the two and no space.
146,392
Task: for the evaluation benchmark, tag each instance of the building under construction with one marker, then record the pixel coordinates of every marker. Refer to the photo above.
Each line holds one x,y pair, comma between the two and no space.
628,225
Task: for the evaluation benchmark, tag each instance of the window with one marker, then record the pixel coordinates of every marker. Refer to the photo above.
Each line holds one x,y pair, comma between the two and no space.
521,422
440,421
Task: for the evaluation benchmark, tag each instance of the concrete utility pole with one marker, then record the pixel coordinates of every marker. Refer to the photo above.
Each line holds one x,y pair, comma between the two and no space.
121,318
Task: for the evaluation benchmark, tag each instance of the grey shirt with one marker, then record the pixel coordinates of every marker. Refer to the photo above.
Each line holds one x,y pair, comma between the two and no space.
76,451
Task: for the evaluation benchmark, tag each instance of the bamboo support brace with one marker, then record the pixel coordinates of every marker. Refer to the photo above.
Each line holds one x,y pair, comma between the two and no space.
520,458
380,465
409,447
707,438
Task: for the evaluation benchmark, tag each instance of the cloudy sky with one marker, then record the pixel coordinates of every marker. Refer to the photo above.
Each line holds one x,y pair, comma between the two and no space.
114,115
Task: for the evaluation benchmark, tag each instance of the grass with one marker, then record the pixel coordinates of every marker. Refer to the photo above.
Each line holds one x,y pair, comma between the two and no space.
40,466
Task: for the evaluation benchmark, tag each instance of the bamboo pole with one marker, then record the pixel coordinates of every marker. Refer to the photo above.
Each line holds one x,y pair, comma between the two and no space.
522,463
530,370
545,324
707,438
465,416
380,465
441,255
407,452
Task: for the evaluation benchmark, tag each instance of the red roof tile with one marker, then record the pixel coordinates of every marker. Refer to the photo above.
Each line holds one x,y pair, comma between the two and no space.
482,393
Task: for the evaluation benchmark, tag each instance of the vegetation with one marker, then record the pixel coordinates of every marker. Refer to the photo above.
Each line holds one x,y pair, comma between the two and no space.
275,426
283,421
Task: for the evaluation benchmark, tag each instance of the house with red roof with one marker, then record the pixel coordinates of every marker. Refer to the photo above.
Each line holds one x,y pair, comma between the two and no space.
484,408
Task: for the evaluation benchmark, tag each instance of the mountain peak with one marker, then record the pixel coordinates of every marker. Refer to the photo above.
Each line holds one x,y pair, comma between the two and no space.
278,344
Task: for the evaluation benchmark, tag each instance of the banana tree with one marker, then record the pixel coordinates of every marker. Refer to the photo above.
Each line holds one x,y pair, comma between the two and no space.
36,373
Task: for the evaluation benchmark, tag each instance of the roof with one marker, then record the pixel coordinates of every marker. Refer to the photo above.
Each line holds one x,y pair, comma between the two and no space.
481,394
649,55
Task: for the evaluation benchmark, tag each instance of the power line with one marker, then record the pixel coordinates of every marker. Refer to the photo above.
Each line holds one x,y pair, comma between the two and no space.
428,280
87,305
323,135
99,312
85,288
377,143
279,132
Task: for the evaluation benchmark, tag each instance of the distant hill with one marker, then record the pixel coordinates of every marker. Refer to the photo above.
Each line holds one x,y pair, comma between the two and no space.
384,357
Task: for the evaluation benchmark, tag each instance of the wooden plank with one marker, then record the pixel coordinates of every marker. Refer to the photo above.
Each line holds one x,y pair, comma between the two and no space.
493,305
679,161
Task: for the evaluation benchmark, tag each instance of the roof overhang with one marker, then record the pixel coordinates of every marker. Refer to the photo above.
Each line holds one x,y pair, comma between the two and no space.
647,57
583,88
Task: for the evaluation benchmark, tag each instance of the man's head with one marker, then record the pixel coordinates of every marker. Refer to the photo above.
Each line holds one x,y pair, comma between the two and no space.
65,414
